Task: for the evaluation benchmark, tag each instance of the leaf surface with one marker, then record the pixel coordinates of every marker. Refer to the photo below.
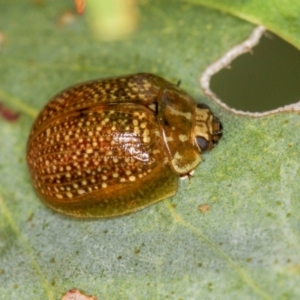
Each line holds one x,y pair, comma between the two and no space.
246,246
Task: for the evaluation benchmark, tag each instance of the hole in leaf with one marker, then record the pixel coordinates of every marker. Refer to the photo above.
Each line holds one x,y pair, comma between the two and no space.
265,79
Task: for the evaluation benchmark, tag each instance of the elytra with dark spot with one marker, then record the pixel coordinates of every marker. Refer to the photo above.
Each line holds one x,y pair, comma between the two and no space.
113,146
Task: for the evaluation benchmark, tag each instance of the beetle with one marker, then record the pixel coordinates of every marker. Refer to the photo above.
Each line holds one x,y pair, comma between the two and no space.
112,146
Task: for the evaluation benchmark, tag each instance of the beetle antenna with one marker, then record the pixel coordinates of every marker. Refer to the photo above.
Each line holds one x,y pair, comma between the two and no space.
178,83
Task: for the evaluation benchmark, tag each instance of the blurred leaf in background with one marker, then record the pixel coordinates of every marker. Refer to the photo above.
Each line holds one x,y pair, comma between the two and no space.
114,19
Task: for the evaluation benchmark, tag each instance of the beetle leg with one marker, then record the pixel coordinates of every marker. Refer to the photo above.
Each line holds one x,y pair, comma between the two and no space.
188,175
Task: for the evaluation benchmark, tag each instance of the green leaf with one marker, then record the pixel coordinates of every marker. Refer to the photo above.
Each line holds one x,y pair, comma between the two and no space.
280,17
247,246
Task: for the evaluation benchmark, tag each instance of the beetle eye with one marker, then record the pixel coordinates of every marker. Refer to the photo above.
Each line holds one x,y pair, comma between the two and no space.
202,143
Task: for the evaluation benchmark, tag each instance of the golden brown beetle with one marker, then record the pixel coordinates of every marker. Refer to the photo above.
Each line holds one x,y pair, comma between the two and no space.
113,146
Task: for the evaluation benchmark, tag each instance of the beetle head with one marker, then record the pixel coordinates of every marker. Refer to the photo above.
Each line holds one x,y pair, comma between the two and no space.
208,128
